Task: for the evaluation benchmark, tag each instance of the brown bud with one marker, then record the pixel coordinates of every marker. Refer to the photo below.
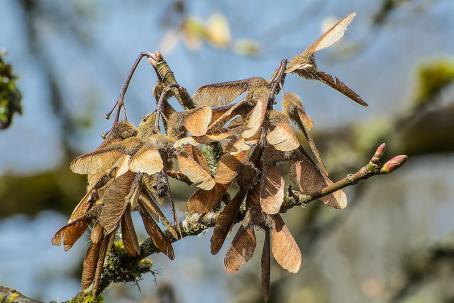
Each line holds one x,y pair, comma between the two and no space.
393,164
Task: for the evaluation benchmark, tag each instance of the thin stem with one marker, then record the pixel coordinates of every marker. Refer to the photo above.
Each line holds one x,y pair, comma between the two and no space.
161,104
119,104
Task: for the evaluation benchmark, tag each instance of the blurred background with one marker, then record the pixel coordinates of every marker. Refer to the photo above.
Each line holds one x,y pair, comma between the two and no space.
393,243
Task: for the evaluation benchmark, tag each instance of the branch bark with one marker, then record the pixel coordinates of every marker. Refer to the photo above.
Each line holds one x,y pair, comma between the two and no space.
194,224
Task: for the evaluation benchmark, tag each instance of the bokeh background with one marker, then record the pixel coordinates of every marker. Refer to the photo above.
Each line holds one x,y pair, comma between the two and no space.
395,241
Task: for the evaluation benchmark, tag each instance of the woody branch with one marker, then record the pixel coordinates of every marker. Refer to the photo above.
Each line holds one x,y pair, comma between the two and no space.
195,224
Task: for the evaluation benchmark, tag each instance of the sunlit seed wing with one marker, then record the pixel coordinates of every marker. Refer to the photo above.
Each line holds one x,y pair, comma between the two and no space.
227,115
128,234
70,233
228,167
89,265
153,210
293,107
195,153
146,160
104,247
97,233
340,86
225,221
82,207
95,162
122,165
241,250
203,201
222,93
272,190
114,201
265,265
331,36
195,173
282,137
157,236
196,121
309,179
255,119
284,247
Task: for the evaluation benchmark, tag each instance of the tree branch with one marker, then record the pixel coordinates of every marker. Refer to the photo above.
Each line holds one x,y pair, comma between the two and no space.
12,295
195,224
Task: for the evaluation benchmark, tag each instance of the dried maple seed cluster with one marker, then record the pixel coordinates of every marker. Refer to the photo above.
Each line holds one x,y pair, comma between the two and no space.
230,151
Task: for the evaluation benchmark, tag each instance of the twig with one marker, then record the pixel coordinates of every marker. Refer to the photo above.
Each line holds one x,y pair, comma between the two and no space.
194,224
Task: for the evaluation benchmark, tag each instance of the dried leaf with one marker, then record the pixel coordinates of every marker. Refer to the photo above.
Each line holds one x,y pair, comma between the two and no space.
157,236
146,160
129,235
89,265
241,250
70,233
228,167
203,201
114,201
195,173
225,222
265,264
222,93
310,180
196,121
284,247
282,137
272,190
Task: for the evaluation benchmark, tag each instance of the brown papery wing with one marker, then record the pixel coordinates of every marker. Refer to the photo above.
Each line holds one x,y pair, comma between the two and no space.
157,236
228,167
154,211
331,36
225,221
265,264
340,86
89,265
114,201
196,173
284,247
128,234
282,137
203,201
309,179
70,233
272,190
196,121
95,162
241,250
255,119
222,93
146,160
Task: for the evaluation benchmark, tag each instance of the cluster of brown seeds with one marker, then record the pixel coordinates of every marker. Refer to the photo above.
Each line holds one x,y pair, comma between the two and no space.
129,170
